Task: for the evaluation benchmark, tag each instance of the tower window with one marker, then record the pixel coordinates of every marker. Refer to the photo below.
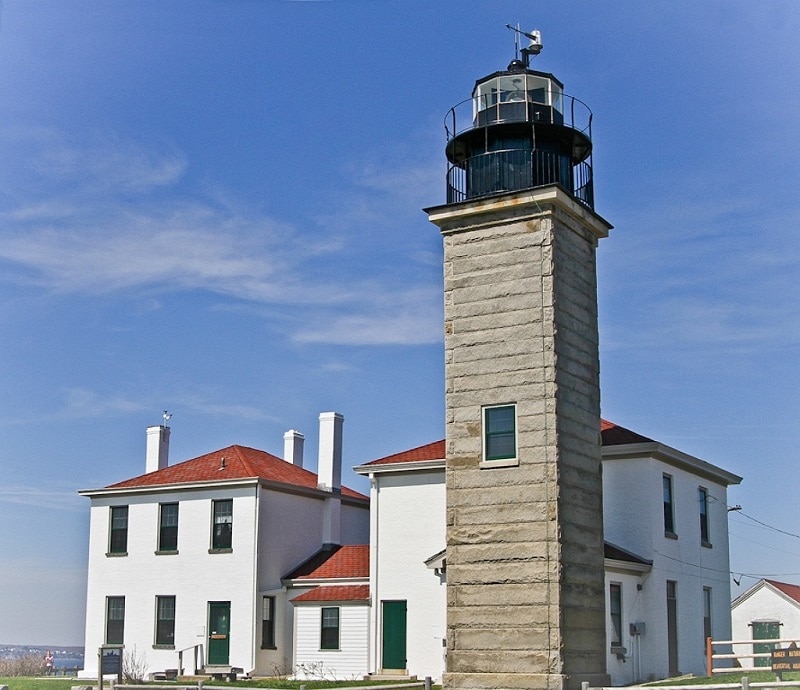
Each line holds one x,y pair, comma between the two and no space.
500,433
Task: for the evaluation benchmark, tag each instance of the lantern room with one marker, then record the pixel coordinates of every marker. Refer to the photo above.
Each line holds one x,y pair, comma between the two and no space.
518,131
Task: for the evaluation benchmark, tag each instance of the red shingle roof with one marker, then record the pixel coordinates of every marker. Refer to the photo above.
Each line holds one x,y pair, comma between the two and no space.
240,462
615,435
334,561
430,451
792,591
335,593
612,434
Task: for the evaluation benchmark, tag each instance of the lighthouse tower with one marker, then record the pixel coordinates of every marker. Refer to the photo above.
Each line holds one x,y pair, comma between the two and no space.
525,592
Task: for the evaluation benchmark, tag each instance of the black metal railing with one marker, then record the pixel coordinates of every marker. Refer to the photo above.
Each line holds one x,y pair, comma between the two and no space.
498,172
476,112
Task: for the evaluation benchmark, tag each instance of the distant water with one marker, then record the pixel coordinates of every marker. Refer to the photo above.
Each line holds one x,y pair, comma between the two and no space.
68,662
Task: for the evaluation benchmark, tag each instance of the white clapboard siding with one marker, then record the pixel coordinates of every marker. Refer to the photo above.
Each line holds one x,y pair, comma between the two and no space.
347,662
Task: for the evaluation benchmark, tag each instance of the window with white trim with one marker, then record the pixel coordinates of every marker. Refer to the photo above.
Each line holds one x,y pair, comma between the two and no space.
222,527
499,433
268,623
329,629
165,621
118,532
115,620
615,613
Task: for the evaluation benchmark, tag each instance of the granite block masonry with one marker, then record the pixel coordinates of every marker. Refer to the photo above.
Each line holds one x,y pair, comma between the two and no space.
525,593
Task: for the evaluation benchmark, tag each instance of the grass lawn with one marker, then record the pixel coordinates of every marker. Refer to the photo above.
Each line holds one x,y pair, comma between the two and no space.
28,683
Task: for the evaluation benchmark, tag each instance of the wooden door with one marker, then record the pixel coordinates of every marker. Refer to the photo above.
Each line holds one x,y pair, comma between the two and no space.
219,628
394,635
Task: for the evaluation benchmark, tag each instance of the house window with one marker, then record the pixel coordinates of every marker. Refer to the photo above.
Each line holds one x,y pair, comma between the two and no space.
500,432
165,621
669,508
168,527
702,498
118,534
268,623
115,620
615,611
706,614
222,529
329,631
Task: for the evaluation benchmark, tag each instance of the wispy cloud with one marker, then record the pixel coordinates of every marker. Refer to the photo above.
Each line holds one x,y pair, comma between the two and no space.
85,235
199,404
691,274
413,318
37,497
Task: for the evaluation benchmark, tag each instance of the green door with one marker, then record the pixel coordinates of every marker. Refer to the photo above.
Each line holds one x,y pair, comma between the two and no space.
394,634
765,630
219,627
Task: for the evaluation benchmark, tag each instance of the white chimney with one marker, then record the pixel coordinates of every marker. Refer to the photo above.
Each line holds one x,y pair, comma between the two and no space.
329,475
329,466
293,447
157,455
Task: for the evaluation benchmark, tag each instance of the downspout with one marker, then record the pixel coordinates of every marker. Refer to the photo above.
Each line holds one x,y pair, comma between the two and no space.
372,637
256,608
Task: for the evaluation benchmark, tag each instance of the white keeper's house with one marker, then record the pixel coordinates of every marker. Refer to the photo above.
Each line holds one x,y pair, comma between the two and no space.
186,561
666,558
242,560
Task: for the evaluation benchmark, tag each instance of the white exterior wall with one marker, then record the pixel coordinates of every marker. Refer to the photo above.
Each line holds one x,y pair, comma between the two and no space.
408,528
626,670
271,536
763,605
193,575
634,520
290,529
350,661
355,524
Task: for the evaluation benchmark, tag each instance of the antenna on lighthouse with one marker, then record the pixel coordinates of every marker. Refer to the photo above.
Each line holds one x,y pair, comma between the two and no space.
535,46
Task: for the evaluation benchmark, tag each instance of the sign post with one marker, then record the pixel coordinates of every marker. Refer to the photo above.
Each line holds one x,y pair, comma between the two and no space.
110,662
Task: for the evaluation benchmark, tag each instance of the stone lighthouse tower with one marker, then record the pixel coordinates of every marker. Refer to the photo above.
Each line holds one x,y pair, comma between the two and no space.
525,593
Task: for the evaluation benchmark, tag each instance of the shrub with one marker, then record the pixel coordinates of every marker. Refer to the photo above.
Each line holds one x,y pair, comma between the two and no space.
134,666
28,665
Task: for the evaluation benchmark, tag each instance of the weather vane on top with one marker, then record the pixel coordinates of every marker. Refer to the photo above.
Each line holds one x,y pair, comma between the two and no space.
534,48
166,416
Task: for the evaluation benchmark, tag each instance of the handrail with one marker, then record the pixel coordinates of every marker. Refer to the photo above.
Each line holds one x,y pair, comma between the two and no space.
194,648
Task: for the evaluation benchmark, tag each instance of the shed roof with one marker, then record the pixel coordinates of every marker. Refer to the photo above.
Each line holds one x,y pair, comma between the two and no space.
349,593
334,561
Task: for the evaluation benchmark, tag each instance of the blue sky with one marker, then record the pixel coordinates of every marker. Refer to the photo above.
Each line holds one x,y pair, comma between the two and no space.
214,207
